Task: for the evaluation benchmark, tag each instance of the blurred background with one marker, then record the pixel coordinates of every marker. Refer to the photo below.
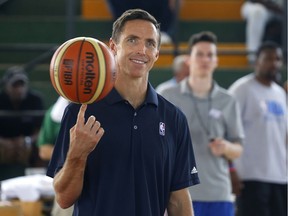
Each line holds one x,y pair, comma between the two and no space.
32,30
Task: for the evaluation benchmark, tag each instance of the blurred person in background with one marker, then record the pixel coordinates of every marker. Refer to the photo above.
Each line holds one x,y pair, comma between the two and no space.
215,126
46,140
50,128
263,164
258,13
162,10
19,123
180,70
285,86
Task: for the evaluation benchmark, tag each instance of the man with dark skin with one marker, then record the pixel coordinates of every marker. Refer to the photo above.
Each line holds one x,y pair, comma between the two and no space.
263,166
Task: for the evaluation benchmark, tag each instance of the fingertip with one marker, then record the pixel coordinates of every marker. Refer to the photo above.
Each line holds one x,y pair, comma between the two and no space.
102,131
81,112
83,106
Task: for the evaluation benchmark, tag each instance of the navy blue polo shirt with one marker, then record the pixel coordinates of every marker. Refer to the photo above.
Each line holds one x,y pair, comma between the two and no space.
144,155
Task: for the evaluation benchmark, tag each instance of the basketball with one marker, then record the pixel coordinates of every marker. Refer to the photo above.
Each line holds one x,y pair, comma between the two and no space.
83,70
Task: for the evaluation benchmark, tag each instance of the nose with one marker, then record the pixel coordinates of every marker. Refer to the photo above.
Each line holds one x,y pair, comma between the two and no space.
141,48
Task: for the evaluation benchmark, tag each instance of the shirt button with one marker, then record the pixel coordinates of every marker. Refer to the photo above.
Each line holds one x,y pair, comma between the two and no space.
135,114
135,127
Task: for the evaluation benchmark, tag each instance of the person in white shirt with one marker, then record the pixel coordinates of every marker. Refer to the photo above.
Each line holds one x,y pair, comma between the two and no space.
263,164
257,14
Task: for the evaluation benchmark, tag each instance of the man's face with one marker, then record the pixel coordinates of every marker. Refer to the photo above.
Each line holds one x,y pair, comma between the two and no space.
269,63
137,49
203,59
17,91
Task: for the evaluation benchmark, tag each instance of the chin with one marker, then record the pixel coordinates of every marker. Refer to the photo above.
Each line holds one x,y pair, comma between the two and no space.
271,77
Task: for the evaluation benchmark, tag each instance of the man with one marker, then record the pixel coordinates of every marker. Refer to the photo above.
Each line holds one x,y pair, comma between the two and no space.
263,165
180,71
19,123
215,126
258,13
144,162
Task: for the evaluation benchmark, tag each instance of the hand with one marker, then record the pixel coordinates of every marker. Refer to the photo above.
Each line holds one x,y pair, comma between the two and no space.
84,137
218,147
14,150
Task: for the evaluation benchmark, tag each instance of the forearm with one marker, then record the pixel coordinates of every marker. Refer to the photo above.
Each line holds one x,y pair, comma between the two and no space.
84,137
180,204
68,183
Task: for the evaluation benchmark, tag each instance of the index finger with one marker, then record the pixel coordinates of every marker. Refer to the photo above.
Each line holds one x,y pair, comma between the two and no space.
81,114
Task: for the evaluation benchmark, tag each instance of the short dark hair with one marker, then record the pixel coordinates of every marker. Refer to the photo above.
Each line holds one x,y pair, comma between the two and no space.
133,14
205,36
267,45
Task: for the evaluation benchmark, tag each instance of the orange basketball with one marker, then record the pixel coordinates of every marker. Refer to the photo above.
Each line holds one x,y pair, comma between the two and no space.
83,70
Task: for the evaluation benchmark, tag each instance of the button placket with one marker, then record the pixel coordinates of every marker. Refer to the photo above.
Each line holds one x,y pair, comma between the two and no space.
135,127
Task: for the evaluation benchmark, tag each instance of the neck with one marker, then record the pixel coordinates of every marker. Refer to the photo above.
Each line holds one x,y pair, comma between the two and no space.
201,87
134,92
265,82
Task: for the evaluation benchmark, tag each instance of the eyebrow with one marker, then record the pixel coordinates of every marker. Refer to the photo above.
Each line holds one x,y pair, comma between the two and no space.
152,40
137,37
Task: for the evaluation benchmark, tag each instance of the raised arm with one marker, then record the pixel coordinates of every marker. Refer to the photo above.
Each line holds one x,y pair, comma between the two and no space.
84,137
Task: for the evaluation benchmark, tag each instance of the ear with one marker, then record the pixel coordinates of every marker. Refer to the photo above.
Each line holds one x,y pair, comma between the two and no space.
113,46
157,55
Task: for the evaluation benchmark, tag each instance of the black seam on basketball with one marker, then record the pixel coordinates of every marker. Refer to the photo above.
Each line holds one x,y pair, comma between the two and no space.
99,73
78,69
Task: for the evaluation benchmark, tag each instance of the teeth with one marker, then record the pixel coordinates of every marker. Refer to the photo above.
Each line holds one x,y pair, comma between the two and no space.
139,62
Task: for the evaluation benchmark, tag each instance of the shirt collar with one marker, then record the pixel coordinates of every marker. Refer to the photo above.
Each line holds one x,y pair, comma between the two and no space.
185,88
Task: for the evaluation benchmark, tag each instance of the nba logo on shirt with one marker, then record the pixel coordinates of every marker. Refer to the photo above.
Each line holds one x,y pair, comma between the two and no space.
162,129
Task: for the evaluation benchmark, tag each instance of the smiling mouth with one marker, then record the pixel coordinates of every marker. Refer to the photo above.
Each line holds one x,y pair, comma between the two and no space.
139,61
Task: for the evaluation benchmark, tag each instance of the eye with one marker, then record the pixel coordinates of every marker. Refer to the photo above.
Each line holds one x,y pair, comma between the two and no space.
151,44
210,55
199,54
131,40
